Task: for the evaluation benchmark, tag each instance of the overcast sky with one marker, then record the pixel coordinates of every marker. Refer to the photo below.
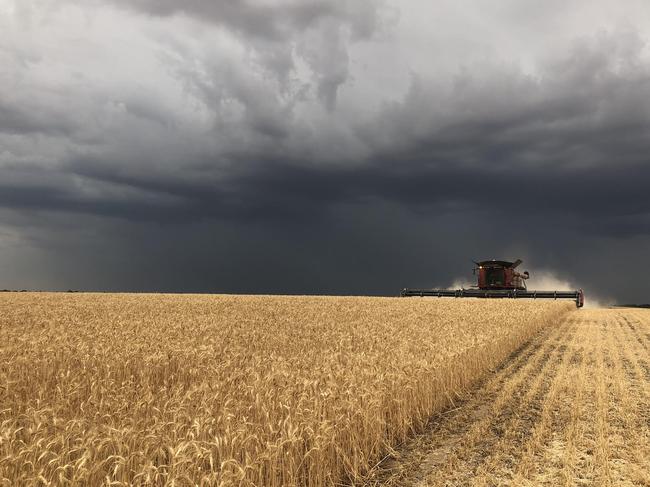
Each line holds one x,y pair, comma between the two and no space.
323,146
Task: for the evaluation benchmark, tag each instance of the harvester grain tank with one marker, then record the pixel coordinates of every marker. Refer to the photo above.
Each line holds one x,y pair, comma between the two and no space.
498,279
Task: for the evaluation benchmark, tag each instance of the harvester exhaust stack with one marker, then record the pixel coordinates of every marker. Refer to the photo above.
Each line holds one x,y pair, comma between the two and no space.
498,279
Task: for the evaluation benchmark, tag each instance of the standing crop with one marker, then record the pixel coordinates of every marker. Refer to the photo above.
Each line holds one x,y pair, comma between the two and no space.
234,390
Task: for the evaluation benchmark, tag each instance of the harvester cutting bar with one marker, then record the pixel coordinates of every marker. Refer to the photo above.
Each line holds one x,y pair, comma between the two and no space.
577,296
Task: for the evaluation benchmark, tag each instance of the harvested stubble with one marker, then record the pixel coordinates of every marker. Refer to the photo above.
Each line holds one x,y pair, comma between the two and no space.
571,408
234,390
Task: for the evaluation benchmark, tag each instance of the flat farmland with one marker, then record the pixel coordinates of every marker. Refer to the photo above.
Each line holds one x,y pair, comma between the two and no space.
570,408
119,389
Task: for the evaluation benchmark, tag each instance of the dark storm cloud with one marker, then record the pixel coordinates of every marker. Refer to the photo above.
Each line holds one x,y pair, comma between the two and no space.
265,162
25,117
317,31
288,191
508,142
271,21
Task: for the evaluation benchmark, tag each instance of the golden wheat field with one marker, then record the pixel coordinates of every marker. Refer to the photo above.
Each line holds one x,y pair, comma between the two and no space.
119,389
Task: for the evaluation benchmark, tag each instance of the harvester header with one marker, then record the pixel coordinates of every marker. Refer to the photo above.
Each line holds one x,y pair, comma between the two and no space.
498,279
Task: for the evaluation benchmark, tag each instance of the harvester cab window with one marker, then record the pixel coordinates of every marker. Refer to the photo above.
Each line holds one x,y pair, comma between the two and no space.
495,277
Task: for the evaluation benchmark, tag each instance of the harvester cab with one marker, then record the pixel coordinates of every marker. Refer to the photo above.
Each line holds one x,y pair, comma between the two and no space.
498,279
500,274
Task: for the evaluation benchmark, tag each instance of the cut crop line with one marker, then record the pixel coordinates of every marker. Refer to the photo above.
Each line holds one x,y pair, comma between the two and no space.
602,452
432,449
473,448
506,451
632,400
536,449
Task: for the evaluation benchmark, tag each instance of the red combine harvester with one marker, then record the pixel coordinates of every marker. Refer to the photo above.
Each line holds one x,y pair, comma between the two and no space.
499,279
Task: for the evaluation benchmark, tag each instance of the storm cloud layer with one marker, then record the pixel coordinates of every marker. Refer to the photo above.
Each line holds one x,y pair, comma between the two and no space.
322,146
